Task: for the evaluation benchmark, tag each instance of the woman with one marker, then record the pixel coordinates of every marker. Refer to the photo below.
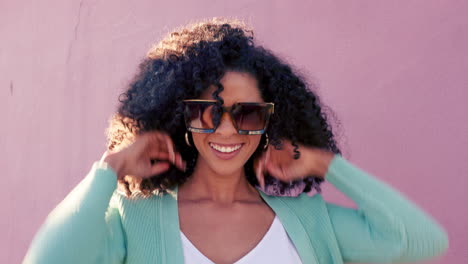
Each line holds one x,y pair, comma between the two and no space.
214,147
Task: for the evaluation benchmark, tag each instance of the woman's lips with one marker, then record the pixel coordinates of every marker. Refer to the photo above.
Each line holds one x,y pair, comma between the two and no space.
225,147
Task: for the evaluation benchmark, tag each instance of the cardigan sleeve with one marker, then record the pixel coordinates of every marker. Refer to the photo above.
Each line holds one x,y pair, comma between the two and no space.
386,227
85,227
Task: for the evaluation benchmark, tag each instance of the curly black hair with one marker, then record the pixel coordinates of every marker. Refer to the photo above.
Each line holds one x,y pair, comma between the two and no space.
182,66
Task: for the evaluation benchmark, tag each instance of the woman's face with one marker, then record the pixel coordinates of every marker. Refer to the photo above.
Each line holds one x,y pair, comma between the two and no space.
225,151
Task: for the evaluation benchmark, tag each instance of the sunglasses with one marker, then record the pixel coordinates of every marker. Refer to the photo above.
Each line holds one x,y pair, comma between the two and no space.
204,116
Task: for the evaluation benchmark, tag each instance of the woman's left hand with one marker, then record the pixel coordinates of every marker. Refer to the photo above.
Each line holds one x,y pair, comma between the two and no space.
282,165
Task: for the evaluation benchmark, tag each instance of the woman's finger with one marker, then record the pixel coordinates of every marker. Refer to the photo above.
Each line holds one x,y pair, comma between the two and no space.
161,143
181,163
258,165
160,156
159,167
156,146
170,147
165,145
176,158
159,146
275,171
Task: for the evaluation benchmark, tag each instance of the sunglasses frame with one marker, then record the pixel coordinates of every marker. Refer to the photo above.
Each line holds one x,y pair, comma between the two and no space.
270,108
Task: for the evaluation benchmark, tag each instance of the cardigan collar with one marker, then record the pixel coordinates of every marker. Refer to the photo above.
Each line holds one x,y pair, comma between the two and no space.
173,252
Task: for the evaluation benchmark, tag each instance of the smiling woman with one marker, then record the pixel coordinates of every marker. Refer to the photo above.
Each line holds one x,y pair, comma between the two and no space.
213,148
218,61
209,138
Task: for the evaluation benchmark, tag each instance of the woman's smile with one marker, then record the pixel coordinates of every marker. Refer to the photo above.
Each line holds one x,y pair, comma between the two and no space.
225,151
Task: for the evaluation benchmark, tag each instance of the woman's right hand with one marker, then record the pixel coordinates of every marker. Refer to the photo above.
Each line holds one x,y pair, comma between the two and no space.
151,153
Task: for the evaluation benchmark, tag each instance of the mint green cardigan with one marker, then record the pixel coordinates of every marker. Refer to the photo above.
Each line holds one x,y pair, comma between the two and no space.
97,224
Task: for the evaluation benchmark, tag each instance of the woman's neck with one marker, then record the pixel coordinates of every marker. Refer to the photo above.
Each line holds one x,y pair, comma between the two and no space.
207,185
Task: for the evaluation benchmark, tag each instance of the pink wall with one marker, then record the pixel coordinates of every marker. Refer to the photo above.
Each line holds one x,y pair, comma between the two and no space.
394,71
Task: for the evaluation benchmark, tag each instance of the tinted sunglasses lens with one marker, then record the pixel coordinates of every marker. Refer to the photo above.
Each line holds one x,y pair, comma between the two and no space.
250,117
199,115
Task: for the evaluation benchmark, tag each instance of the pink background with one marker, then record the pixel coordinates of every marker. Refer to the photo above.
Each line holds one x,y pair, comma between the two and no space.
395,72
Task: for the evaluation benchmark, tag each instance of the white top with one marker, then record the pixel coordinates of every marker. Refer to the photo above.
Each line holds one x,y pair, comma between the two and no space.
275,247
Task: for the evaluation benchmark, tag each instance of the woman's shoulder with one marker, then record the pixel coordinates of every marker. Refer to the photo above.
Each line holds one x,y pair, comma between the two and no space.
142,201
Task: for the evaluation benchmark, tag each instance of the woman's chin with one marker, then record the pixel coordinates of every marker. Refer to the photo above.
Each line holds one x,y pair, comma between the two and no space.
228,170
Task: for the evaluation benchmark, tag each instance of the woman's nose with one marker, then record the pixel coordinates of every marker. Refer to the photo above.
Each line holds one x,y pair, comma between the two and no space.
226,125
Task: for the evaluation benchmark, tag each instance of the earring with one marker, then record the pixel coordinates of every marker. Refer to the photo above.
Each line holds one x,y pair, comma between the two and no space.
267,141
187,139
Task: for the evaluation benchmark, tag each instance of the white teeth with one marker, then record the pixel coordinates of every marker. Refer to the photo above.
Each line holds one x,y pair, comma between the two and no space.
225,149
